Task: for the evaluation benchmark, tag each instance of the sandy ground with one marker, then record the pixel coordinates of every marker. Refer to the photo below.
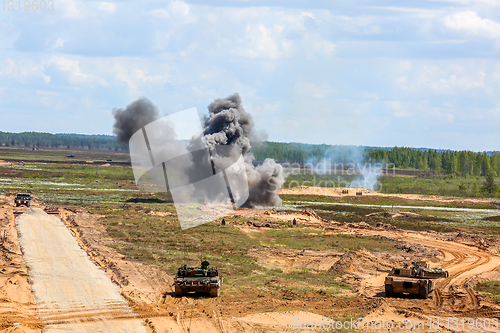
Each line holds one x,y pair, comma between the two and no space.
337,192
72,294
148,290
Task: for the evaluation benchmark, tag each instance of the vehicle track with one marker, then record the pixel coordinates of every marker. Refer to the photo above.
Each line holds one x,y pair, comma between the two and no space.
72,293
466,262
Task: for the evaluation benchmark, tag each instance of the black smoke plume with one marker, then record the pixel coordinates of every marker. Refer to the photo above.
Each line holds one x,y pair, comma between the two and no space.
228,131
230,126
131,119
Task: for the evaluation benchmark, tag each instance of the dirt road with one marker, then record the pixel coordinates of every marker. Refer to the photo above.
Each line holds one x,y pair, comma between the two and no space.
352,191
72,294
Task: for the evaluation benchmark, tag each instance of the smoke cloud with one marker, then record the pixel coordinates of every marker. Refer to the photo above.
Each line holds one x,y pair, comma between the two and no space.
228,131
230,127
351,161
135,116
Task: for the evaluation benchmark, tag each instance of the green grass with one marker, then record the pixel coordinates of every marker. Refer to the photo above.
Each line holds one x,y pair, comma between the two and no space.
60,155
491,288
438,185
317,240
435,185
160,241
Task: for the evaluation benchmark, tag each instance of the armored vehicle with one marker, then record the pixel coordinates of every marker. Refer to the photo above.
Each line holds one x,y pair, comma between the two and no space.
23,199
203,279
417,279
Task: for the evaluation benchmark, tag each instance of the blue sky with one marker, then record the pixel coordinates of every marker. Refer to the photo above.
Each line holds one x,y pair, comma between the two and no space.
379,73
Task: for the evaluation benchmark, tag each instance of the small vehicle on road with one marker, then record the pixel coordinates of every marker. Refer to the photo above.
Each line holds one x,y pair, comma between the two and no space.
204,279
23,199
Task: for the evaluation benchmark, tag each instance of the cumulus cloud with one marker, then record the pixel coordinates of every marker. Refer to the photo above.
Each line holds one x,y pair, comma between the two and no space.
23,71
58,43
73,71
446,78
135,78
471,23
107,7
264,43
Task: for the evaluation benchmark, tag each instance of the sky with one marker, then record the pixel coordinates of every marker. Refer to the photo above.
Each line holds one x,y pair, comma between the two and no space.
386,73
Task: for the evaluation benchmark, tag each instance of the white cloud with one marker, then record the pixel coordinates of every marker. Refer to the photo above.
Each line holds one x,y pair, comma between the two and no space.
23,70
397,108
160,13
471,23
257,110
179,8
72,69
49,99
471,2
265,43
402,114
450,117
58,43
446,79
495,112
315,46
135,77
308,89
107,7
360,24
71,9
371,95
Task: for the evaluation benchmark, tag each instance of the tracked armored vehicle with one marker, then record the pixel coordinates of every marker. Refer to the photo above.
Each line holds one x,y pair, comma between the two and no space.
417,279
203,279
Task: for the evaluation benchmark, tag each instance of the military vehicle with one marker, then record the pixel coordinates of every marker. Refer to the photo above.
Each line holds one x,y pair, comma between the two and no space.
23,199
417,279
203,279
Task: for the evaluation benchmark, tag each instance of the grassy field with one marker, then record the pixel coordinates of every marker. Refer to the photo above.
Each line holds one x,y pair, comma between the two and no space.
142,236
490,288
434,185
159,240
61,155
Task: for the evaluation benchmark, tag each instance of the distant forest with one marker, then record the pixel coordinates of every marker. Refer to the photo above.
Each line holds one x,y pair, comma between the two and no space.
68,141
461,163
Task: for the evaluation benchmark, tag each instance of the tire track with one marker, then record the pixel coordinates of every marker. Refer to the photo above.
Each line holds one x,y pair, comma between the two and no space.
466,262
472,296
72,293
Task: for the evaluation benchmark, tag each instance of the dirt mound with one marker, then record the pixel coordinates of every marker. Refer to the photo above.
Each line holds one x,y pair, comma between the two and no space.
417,249
265,224
359,225
386,226
473,240
310,213
360,261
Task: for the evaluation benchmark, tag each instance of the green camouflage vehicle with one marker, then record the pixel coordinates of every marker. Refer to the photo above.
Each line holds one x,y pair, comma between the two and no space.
417,279
204,279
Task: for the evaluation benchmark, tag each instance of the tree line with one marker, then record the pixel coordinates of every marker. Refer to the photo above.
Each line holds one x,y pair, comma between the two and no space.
69,141
462,163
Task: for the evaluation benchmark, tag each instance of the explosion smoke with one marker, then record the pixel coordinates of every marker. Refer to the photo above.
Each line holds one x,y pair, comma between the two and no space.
230,126
136,115
228,131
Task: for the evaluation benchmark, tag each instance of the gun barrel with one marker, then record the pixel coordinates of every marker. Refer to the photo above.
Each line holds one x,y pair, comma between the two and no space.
383,269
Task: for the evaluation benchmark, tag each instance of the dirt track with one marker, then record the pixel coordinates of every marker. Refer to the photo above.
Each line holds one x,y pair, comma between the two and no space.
72,293
453,296
337,192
